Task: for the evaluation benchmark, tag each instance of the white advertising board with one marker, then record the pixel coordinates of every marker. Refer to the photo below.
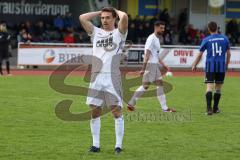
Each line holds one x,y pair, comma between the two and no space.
57,54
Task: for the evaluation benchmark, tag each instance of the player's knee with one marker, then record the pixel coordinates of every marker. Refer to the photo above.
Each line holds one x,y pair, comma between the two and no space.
118,115
218,91
218,87
160,83
209,88
96,115
116,112
145,87
96,112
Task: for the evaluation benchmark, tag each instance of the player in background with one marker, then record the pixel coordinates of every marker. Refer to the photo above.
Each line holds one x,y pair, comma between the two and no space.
217,60
107,43
151,69
4,48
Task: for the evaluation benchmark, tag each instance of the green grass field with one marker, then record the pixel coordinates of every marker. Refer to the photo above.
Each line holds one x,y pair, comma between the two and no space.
30,130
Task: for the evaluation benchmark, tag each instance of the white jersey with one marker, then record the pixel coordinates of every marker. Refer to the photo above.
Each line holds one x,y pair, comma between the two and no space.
107,46
153,44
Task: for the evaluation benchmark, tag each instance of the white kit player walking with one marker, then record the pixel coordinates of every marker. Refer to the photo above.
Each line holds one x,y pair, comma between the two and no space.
151,69
106,89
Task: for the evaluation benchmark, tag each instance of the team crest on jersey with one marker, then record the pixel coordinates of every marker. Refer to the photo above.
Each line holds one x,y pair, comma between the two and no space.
107,43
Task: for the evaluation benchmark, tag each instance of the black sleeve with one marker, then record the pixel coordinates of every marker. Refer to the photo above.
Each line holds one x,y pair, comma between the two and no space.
3,38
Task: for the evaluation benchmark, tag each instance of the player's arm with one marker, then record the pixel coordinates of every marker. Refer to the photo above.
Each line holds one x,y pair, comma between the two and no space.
203,47
228,57
85,20
163,64
164,67
123,22
145,60
197,60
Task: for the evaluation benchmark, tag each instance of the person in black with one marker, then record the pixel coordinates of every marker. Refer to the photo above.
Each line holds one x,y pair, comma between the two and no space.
164,16
4,48
183,19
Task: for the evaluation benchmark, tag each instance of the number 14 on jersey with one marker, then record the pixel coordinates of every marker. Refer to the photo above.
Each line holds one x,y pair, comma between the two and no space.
216,50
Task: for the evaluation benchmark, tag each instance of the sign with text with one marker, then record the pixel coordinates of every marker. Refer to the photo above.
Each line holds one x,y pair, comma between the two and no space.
57,54
39,8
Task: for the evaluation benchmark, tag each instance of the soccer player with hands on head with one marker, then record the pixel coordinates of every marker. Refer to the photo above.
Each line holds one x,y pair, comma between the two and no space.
107,42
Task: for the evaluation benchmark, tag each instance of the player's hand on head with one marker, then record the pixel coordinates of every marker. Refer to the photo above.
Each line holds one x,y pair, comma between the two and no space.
115,9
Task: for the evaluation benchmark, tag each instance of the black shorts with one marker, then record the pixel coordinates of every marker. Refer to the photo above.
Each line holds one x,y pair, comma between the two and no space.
213,77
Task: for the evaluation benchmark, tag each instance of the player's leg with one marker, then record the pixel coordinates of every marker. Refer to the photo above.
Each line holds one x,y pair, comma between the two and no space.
219,80
209,80
216,98
113,99
119,127
148,77
209,96
95,125
8,67
138,93
162,97
94,100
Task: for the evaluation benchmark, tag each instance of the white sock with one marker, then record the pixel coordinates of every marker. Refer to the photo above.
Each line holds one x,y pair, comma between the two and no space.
95,129
119,130
161,97
138,93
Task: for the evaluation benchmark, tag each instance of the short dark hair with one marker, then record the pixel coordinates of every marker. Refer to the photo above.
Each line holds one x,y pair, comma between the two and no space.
111,10
212,26
158,23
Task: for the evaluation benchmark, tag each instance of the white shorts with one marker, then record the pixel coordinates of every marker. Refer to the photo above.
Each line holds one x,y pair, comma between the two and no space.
105,89
152,73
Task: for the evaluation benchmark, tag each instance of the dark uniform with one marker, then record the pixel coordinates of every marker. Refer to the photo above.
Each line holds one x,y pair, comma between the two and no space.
216,46
215,67
4,49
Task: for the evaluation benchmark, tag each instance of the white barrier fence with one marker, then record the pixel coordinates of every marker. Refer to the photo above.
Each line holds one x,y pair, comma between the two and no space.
47,54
